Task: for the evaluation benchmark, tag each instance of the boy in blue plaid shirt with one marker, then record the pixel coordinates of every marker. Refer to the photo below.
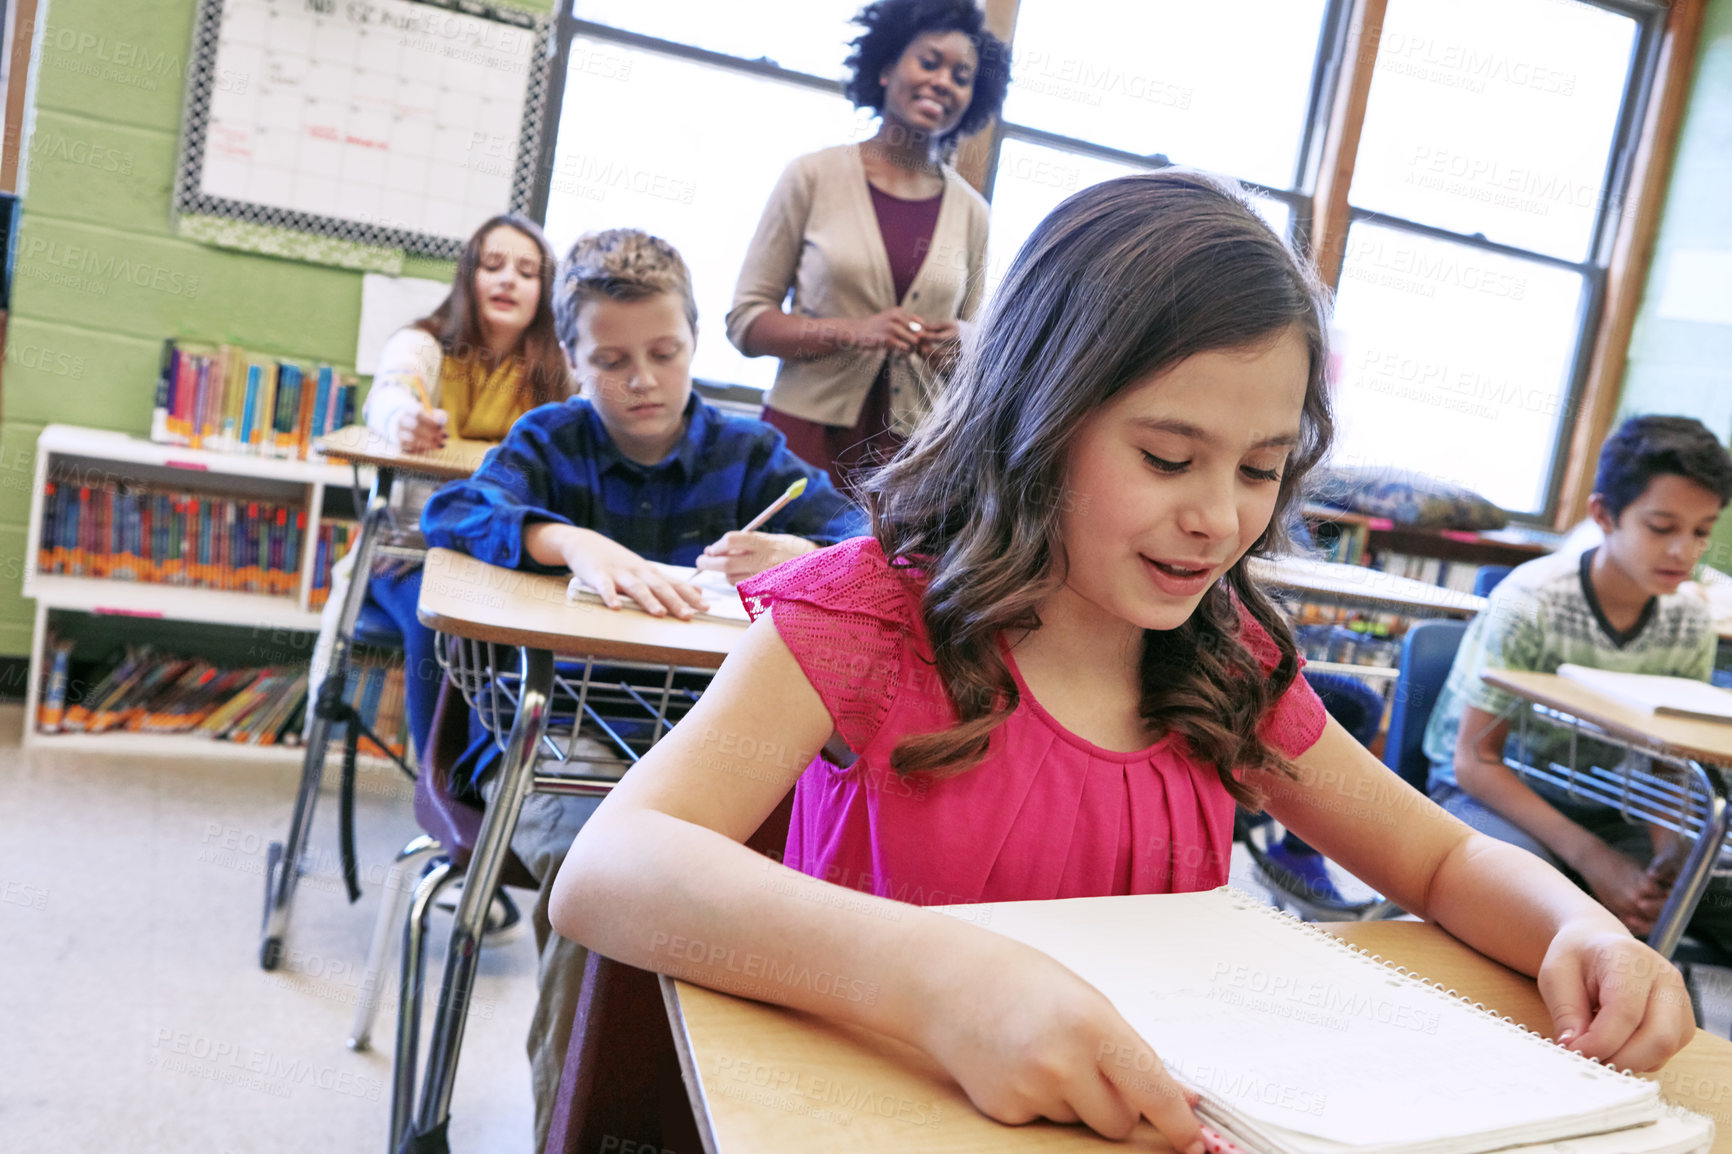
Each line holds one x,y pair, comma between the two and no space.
636,469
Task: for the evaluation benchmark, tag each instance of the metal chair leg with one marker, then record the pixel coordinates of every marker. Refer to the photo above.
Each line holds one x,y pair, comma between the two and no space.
485,866
285,860
440,873
397,885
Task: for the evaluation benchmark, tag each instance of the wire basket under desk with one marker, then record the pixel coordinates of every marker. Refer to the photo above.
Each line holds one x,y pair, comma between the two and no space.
1675,800
602,715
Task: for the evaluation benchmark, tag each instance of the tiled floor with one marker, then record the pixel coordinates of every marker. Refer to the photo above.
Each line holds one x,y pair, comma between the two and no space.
133,1014
136,1017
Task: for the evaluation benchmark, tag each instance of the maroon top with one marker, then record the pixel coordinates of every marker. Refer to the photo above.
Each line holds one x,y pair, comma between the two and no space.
906,226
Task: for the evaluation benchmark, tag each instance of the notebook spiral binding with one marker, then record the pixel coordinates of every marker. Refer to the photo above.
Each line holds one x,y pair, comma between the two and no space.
1246,901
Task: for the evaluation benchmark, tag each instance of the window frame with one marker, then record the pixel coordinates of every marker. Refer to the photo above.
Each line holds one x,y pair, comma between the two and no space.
1330,134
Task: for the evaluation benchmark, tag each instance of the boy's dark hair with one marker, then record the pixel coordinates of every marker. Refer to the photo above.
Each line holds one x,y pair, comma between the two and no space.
1647,447
1123,280
891,25
618,264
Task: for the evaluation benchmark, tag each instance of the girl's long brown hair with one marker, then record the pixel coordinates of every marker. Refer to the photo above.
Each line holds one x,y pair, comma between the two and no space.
456,323
1122,280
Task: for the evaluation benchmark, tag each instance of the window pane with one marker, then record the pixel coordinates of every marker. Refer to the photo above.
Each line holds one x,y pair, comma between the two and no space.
1495,117
637,150
1453,362
800,35
1218,86
1031,180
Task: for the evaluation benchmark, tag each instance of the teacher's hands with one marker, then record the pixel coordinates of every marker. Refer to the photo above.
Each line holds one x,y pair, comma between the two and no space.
895,329
1613,998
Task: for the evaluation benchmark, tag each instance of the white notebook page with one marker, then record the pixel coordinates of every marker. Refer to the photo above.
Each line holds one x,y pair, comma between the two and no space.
1292,1029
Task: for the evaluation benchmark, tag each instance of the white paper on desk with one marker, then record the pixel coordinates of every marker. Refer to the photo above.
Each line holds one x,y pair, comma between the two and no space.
389,303
724,599
1662,696
1312,1047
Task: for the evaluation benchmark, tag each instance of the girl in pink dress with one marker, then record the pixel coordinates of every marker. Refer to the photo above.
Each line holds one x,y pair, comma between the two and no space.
1048,674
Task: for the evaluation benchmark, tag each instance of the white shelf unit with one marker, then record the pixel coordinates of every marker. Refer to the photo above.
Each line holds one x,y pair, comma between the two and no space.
296,483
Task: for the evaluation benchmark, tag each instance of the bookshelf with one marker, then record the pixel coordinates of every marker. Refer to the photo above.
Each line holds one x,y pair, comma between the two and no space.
96,456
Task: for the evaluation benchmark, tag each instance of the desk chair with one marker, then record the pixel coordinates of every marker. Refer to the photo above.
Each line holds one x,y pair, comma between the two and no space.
622,1073
1427,652
592,711
1488,578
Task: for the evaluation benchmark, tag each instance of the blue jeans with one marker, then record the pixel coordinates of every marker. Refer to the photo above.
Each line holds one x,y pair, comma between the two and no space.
396,594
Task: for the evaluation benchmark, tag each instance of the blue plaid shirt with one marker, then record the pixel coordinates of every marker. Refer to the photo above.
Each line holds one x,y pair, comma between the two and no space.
559,464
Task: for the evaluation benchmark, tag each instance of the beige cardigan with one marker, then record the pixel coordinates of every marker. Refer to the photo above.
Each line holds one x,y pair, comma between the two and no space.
819,236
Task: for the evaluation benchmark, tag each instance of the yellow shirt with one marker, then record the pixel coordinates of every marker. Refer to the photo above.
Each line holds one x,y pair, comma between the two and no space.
482,404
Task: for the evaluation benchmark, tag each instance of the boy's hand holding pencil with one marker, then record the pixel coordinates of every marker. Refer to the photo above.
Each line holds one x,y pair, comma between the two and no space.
746,552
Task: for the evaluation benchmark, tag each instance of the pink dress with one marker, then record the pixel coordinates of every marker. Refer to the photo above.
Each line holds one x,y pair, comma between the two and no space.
1045,814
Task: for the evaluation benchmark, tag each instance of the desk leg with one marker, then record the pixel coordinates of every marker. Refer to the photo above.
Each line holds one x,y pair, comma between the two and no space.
1698,867
482,879
284,864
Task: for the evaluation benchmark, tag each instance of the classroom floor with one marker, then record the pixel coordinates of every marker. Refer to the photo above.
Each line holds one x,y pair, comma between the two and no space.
135,1016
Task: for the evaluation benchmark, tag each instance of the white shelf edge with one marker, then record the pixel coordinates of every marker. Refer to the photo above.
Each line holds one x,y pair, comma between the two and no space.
180,745
169,602
101,444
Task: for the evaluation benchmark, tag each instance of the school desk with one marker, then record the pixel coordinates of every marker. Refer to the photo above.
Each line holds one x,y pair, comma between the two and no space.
491,608
1356,585
357,445
730,1049
1692,801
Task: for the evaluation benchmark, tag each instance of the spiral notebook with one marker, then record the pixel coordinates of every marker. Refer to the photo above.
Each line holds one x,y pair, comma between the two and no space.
724,599
1298,1043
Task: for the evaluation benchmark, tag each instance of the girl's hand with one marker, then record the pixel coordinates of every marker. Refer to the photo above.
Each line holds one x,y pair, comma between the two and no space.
1613,998
421,430
738,556
1026,1038
893,329
611,569
1632,895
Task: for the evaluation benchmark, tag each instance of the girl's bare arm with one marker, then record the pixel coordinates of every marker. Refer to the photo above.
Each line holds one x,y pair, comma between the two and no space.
658,879
1503,901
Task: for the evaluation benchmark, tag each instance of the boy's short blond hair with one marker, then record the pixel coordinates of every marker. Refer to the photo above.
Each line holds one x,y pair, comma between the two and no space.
618,264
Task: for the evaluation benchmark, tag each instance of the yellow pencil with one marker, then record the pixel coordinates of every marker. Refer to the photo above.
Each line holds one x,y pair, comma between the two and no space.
794,490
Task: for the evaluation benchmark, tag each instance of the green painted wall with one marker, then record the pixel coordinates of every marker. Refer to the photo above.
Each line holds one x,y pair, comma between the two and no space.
100,278
1680,366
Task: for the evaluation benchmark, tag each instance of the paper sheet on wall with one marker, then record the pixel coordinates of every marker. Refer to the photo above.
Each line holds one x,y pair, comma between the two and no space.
1698,287
387,304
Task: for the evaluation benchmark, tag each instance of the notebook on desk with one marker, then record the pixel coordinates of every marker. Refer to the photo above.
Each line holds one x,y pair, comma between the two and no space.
1662,696
1300,1044
724,599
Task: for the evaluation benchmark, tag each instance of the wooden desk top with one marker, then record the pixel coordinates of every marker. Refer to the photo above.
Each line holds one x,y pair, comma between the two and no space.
470,598
358,443
1708,741
773,1078
1359,585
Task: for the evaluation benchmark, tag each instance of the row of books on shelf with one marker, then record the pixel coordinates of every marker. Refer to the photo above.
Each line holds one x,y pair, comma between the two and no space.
1456,575
228,400
143,690
130,532
335,538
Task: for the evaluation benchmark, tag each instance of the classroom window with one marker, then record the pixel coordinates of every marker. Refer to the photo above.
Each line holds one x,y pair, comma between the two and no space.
693,171
705,102
1235,93
1485,194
